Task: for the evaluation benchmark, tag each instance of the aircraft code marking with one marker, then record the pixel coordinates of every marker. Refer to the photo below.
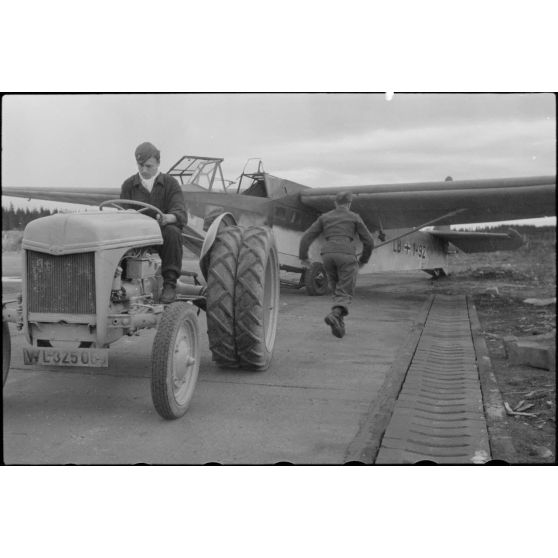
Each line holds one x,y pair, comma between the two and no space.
413,249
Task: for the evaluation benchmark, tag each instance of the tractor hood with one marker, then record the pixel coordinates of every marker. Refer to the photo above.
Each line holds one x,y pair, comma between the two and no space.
69,233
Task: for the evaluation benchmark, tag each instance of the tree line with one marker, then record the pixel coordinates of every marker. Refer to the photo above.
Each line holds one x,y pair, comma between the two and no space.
17,219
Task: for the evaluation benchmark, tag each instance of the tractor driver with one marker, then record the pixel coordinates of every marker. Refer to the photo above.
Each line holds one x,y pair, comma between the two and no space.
163,191
340,227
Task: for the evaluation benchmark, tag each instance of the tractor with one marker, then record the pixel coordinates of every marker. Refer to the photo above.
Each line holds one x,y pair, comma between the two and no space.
88,279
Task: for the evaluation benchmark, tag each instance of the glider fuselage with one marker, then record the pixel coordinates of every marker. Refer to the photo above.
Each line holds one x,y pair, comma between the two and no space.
418,250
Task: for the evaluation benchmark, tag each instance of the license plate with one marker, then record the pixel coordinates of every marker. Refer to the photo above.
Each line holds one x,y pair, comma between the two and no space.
48,356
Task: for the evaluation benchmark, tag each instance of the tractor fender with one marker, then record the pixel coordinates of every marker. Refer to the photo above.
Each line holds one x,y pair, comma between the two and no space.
10,313
224,220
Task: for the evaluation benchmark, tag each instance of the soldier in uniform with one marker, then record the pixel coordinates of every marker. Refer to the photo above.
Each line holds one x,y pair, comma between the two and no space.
163,191
340,227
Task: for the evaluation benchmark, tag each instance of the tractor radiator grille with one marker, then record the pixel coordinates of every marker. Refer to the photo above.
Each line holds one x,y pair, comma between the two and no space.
61,284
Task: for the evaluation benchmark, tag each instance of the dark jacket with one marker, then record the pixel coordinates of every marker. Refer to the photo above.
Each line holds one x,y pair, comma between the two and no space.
339,227
165,195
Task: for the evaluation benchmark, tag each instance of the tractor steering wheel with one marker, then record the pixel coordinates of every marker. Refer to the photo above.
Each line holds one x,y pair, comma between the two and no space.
117,203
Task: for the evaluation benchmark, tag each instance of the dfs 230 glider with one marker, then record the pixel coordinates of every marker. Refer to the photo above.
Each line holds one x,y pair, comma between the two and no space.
395,213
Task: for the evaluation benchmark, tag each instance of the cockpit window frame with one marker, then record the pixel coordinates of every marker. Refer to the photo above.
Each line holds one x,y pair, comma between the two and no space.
191,168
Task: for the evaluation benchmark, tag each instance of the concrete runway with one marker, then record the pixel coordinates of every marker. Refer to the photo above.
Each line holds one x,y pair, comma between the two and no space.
305,409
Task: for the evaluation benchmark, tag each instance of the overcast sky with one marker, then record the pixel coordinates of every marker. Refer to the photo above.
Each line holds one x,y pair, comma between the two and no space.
87,141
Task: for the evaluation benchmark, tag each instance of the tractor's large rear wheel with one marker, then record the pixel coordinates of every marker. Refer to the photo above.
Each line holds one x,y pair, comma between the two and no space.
6,351
256,298
175,360
243,297
221,281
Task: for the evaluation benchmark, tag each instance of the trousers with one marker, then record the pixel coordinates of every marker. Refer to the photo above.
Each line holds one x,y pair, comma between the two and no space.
341,271
170,252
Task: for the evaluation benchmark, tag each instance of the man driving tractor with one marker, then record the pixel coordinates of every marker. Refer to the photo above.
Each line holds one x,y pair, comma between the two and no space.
149,185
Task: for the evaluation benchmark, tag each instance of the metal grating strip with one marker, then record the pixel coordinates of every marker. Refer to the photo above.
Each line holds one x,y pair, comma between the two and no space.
439,413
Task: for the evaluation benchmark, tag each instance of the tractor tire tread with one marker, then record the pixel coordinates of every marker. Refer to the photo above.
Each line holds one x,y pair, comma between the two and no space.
257,242
6,351
220,296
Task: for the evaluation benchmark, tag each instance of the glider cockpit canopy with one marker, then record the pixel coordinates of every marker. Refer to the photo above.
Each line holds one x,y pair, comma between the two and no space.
196,173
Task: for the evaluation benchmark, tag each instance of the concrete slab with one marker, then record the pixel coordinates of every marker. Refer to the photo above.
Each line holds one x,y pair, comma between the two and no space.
440,427
306,408
538,353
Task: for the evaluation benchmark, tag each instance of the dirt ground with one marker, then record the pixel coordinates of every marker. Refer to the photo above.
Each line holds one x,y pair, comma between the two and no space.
498,283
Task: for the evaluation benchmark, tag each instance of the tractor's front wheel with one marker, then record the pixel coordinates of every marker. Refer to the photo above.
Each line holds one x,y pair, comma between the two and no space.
175,360
6,351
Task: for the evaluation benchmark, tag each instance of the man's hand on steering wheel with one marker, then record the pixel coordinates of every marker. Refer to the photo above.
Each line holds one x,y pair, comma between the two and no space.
166,219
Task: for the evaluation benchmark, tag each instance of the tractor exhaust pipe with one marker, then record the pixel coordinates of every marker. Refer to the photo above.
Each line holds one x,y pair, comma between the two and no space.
188,289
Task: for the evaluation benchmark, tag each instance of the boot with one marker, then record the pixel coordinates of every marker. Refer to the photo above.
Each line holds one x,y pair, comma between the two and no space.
335,320
342,323
169,287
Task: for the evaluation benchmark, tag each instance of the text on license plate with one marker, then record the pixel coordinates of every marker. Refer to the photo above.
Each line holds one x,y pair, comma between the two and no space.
62,357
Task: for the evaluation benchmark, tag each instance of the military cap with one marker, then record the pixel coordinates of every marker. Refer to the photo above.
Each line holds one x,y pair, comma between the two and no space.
343,198
145,151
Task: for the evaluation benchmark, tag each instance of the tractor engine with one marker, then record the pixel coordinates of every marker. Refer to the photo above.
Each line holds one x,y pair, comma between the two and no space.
80,270
137,280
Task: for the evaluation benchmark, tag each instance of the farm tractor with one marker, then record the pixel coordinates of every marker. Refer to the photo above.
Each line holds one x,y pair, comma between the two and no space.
90,278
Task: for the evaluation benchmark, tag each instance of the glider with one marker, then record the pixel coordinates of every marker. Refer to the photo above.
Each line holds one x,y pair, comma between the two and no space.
396,214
